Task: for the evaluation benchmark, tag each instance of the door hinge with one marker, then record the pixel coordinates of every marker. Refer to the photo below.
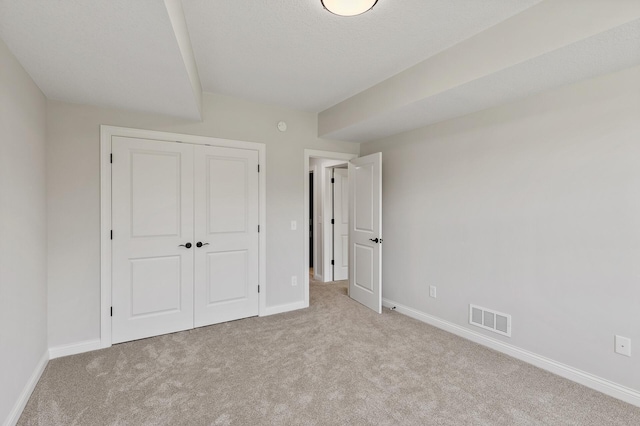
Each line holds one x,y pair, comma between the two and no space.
333,180
258,289
112,234
112,311
258,168
111,158
332,262
333,221
258,229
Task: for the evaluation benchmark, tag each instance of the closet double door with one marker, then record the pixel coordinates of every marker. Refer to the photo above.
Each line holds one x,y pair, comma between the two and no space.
185,236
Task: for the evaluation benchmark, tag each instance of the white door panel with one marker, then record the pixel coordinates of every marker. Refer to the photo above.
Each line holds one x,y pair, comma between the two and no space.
155,193
226,218
363,201
363,258
152,215
226,185
224,267
365,230
160,276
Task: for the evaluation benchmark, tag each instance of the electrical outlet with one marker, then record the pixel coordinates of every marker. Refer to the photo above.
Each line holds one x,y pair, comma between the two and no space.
294,225
432,291
623,345
294,281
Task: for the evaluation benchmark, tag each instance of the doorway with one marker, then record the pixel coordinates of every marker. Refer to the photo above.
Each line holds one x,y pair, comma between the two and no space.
324,218
319,229
364,245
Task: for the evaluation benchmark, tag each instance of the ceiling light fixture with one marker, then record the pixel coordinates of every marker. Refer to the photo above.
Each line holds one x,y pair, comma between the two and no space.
348,7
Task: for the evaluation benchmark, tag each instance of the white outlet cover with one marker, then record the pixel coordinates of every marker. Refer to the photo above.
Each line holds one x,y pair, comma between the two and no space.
623,346
294,225
294,281
432,291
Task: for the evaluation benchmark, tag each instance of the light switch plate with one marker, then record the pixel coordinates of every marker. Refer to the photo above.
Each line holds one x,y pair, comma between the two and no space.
294,225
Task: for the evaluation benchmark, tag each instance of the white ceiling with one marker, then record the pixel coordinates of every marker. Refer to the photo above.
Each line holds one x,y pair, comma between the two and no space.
294,54
156,55
603,53
118,53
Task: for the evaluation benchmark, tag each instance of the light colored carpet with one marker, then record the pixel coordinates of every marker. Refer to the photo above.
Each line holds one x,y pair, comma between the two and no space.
336,363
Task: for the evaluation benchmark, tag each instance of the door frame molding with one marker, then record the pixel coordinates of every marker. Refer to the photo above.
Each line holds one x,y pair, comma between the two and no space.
308,155
314,170
337,225
106,133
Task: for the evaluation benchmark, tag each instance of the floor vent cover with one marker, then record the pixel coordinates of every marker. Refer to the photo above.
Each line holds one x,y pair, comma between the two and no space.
490,320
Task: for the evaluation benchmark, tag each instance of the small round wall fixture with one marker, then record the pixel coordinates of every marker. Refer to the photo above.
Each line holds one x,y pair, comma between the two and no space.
282,126
348,7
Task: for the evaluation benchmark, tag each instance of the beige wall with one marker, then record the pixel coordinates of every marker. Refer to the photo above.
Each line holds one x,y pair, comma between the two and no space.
23,291
532,209
74,198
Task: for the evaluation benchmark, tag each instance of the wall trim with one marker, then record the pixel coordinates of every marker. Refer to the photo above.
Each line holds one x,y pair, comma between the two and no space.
327,228
74,348
18,407
315,218
279,309
106,133
605,386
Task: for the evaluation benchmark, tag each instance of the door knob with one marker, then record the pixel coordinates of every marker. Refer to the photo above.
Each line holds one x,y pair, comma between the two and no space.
374,240
200,244
188,245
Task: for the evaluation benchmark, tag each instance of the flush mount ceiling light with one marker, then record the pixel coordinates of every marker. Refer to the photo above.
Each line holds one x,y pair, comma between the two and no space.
348,7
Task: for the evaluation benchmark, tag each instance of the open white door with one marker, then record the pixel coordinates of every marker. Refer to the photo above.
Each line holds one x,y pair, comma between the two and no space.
365,230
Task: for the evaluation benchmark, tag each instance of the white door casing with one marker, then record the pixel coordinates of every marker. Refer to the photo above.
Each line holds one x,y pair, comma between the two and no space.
365,230
341,224
226,223
152,215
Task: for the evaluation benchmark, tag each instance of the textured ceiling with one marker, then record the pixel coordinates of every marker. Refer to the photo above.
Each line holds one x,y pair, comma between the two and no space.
606,52
157,55
119,53
293,53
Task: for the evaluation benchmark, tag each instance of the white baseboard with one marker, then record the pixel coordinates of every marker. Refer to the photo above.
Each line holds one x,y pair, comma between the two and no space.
74,348
317,277
272,310
18,407
605,386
